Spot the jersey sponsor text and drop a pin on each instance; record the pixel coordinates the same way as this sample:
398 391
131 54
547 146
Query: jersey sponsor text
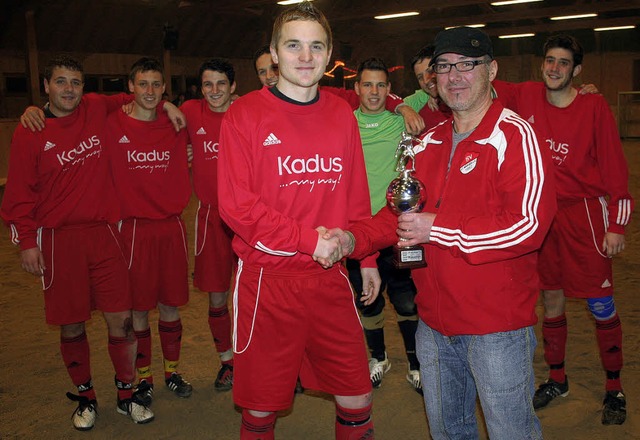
559 151
211 147
151 160
77 154
314 164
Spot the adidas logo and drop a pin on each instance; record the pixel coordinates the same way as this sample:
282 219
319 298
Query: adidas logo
271 140
201 131
531 120
606 283
49 146
124 140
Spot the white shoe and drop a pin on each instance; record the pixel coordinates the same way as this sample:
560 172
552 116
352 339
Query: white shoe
135 409
84 416
377 369
413 377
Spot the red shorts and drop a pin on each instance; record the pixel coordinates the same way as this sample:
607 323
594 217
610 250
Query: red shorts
214 258
295 324
156 251
85 271
571 256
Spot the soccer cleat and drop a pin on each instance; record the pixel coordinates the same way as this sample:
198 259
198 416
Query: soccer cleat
549 391
377 369
224 380
178 385
84 416
413 377
134 408
144 391
614 408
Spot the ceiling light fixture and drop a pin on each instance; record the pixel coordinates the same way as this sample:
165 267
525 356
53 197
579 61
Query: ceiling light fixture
398 15
513 2
516 36
291 2
571 17
614 28
479 25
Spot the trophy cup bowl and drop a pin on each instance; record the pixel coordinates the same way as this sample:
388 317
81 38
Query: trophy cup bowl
406 194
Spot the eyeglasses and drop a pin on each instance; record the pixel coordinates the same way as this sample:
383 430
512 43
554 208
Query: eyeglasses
461 66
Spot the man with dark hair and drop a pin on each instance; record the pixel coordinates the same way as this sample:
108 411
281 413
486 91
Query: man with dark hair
436 110
489 205
214 257
56 178
594 207
291 159
266 69
381 131
149 165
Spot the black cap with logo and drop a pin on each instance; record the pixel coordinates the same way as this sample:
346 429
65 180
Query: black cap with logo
466 41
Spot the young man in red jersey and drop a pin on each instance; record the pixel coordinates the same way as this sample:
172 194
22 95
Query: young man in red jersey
291 159
56 177
149 165
214 257
594 206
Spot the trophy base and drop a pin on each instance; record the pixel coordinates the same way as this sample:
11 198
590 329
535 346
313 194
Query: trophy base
411 257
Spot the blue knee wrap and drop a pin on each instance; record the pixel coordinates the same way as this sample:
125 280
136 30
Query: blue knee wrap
602 308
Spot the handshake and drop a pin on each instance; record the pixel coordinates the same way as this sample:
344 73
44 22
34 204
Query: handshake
333 245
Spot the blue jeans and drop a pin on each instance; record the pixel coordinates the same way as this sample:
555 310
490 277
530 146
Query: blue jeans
498 368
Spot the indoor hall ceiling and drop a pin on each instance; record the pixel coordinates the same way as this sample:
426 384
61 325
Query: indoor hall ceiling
235 28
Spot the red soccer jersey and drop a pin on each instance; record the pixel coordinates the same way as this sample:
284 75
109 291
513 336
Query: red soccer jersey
203 126
149 165
586 149
285 169
60 176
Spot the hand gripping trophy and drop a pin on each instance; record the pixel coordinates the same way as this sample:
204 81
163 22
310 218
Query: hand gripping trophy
406 194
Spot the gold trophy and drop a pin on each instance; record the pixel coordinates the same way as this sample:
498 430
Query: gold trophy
406 194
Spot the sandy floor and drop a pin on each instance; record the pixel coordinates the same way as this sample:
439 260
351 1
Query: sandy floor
33 405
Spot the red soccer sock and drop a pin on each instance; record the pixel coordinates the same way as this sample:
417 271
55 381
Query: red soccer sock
143 357
354 424
123 352
609 335
75 354
171 341
554 333
257 428
220 326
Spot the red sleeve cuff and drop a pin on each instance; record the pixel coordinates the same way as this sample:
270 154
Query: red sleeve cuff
28 243
308 241
616 228
370 261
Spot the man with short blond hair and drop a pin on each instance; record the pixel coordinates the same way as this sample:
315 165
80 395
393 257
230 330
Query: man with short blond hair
290 160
